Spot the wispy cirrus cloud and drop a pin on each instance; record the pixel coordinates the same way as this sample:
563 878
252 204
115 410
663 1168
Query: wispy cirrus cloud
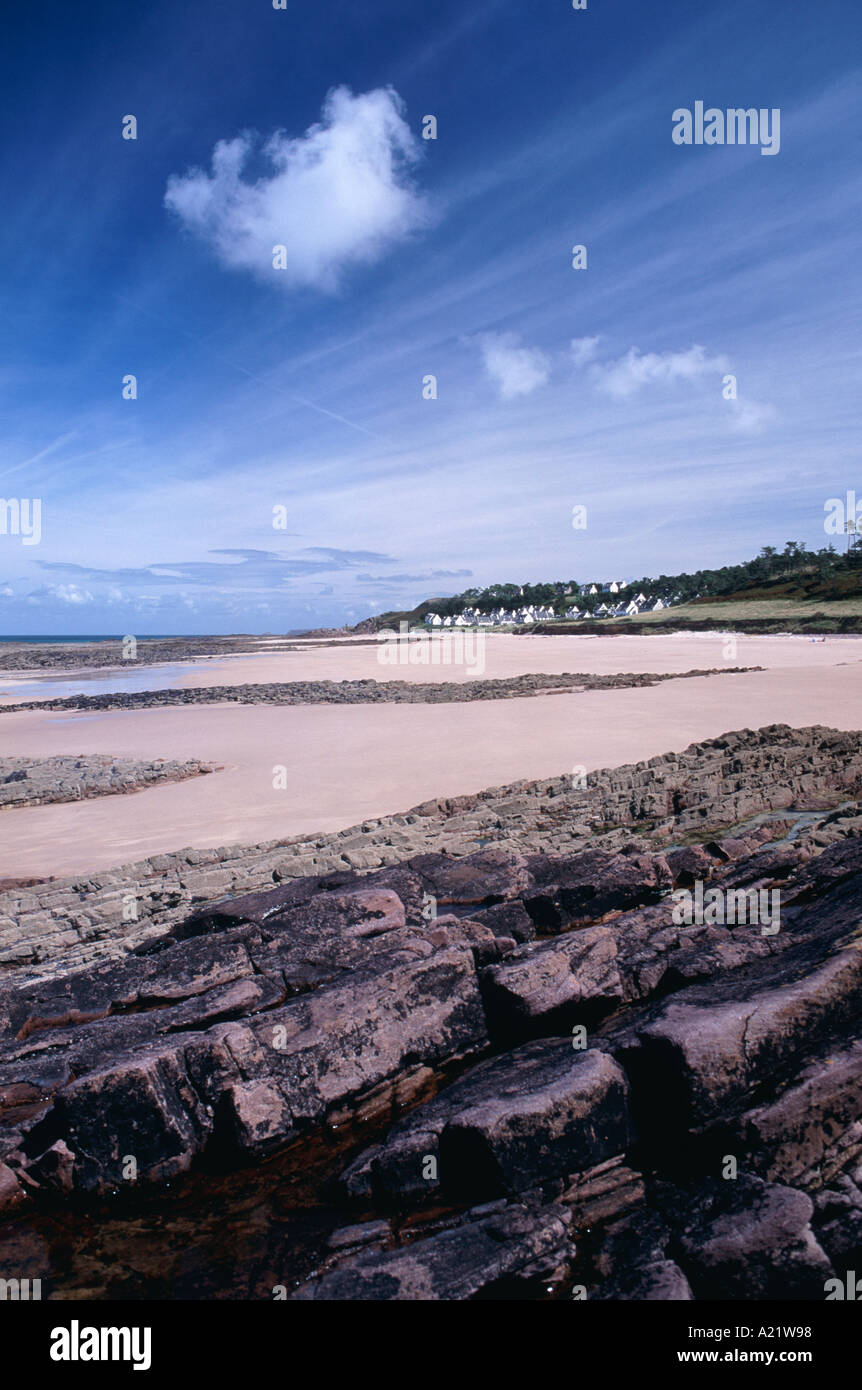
338 196
384 579
751 417
242 569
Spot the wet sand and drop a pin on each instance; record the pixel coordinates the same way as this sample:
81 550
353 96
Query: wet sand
346 764
496 656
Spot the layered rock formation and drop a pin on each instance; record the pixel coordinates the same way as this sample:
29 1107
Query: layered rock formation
510 1074
27 658
370 692
37 781
67 923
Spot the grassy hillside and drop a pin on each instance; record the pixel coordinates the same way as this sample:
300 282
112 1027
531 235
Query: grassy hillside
842 586
820 589
750 614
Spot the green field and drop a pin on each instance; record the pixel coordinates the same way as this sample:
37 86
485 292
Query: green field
734 610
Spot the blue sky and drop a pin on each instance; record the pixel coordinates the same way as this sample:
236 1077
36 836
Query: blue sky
301 388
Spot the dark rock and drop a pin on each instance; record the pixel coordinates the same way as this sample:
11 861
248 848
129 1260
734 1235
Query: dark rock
548 988
511 1254
795 1135
341 1010
507 919
659 1280
11 1192
512 1123
689 864
579 890
714 1047
751 1240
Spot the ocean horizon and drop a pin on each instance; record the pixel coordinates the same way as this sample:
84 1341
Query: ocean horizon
97 637
142 637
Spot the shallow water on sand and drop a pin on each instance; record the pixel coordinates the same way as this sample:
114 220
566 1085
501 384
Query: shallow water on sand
124 682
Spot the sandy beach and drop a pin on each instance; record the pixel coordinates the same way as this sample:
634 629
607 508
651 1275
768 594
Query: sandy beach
488 655
347 764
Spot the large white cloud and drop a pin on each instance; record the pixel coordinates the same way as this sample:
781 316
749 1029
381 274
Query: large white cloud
515 370
338 195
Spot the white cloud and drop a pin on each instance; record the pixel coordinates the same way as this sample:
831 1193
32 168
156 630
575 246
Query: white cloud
515 370
70 593
626 375
751 417
59 593
338 195
583 350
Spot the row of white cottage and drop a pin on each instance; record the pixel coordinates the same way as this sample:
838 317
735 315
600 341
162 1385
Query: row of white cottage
535 613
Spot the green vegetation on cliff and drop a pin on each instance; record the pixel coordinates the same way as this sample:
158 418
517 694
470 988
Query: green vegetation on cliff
795 574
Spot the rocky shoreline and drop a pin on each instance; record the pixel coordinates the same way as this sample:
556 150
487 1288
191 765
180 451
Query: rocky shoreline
107 654
63 924
511 1073
40 781
26 658
365 692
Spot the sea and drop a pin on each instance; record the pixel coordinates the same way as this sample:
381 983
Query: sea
99 637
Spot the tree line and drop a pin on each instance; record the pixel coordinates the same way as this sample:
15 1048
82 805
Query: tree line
770 566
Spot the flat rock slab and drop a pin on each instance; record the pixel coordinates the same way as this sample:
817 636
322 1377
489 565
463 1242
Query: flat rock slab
39 781
518 1247
254 1083
549 988
752 1240
540 1112
714 1048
